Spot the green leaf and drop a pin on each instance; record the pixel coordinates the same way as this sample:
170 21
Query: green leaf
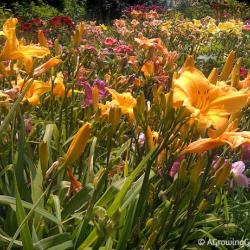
58 210
226 212
77 201
127 228
12 201
20 214
118 199
90 161
55 242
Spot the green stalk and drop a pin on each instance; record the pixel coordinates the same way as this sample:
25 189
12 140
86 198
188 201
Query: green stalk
190 214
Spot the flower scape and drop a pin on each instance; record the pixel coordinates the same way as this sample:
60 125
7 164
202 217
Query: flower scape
134 135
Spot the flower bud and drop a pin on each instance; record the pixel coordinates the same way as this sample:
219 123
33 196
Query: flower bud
228 66
213 76
57 47
236 74
95 94
150 138
44 156
78 34
42 39
115 115
77 145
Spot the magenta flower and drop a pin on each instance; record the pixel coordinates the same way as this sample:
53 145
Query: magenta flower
123 49
239 178
101 85
243 72
175 167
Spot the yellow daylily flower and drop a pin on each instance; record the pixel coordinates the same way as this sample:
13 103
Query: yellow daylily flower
231 26
14 50
36 90
59 88
210 105
211 26
125 101
230 137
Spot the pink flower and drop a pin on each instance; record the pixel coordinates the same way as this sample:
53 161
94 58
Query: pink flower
12 93
123 49
175 167
243 72
28 125
239 179
101 85
246 27
110 41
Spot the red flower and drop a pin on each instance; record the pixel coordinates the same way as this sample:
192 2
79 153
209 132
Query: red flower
110 41
58 21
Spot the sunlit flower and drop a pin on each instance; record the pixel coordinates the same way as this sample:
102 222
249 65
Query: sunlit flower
14 50
212 27
239 178
146 43
125 101
197 23
77 145
59 87
36 90
244 84
148 68
123 49
46 66
110 41
230 137
210 105
102 92
231 26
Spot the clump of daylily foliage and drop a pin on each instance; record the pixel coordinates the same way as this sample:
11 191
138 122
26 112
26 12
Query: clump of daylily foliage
130 136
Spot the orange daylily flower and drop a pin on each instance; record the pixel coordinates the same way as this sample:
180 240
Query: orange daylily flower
75 185
148 69
125 101
244 84
36 90
210 105
77 145
59 88
52 62
104 109
230 137
14 50
146 43
42 39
